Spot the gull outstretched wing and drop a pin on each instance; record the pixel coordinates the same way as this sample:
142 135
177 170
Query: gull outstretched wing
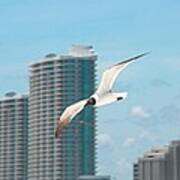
69 113
109 76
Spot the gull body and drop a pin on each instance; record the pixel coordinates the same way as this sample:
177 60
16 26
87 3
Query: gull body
108 98
102 96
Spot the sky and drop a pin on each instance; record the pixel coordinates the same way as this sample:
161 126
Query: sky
117 29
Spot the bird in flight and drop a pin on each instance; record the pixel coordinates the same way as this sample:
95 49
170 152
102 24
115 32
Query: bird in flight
102 96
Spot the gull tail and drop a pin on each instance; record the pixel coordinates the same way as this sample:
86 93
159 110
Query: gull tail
123 95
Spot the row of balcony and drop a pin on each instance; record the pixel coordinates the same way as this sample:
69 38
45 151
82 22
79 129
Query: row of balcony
59 64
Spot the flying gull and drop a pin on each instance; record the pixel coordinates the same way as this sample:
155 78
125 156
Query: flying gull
102 96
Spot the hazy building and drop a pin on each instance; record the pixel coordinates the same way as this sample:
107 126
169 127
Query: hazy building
13 136
136 171
94 178
174 149
153 165
159 164
56 81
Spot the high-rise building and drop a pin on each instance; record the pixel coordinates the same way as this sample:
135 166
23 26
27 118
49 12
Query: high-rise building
152 165
136 171
56 81
13 136
174 149
159 164
94 178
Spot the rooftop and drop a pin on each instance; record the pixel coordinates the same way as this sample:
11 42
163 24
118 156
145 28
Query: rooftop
156 153
76 52
11 95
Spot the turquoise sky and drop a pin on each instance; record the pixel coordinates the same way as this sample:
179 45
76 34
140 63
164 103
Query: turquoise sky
117 29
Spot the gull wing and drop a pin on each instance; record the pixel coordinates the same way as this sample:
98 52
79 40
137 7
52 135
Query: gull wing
109 76
67 116
72 110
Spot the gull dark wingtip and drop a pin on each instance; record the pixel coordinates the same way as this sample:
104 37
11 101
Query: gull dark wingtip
146 53
56 133
59 131
141 55
134 58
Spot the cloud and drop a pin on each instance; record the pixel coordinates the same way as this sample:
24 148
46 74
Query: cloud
177 97
143 136
123 167
169 113
104 139
129 142
138 111
148 136
160 83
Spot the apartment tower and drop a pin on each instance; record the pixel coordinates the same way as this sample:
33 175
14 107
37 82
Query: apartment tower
13 136
57 81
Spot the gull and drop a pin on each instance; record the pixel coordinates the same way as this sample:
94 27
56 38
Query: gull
102 96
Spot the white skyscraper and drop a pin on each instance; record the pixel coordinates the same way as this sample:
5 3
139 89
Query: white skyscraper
13 136
56 81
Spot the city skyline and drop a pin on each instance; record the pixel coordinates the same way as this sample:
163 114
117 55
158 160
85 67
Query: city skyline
136 112
51 78
117 30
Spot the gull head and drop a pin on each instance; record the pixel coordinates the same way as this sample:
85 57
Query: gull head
91 101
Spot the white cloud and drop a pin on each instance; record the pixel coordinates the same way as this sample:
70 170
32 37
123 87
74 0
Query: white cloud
123 167
138 111
129 142
104 139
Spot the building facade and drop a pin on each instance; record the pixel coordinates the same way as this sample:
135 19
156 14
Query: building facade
174 149
56 82
13 136
159 164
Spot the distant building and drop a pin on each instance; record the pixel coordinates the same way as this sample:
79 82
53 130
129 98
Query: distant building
136 171
94 178
174 149
159 164
57 81
13 136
